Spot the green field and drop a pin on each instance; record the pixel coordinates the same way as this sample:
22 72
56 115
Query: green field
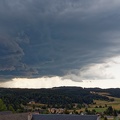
115 104
101 105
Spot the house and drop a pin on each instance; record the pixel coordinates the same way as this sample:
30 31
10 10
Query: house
32 102
64 117
55 110
110 117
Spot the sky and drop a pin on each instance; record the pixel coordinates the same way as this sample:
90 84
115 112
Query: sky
52 43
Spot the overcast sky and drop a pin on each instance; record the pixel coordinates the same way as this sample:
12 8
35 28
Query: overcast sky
47 43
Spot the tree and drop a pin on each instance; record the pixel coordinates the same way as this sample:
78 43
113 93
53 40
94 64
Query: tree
86 110
105 118
79 106
2 106
66 111
93 111
11 108
33 106
109 110
115 113
75 112
105 105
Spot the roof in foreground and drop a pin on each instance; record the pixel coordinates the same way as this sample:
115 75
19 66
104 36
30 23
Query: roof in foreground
20 116
64 117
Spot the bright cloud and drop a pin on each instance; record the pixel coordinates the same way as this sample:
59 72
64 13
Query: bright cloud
104 75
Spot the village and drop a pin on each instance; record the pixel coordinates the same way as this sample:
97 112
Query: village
39 109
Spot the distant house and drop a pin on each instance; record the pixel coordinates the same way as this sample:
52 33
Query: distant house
110 117
55 110
31 102
64 117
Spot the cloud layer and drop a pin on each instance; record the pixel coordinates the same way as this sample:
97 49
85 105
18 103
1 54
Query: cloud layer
54 37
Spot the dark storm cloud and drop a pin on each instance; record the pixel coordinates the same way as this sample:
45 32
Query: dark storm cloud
53 37
10 53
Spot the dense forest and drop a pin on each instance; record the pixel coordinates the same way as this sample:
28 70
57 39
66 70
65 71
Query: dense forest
59 96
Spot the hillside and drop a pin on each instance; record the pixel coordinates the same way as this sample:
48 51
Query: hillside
58 97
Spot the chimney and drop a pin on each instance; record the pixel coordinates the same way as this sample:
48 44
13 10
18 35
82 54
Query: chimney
29 116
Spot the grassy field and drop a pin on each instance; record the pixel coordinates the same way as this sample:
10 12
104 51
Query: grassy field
115 104
101 105
104 104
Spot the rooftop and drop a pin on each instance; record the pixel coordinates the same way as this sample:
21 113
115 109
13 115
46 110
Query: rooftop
64 117
21 116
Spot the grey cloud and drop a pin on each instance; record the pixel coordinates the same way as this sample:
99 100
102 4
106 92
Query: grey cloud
53 37
10 53
73 77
